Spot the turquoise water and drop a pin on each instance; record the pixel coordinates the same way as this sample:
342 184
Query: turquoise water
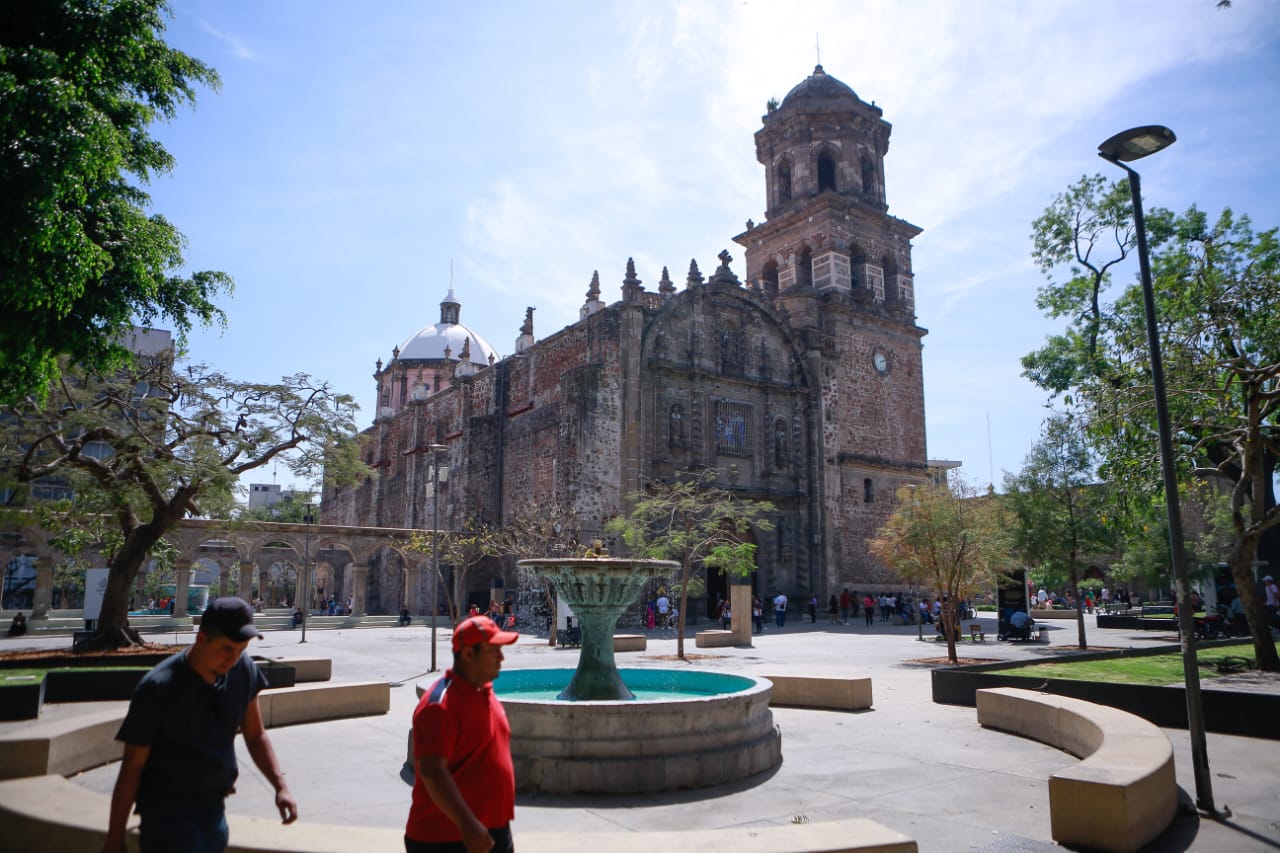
646 684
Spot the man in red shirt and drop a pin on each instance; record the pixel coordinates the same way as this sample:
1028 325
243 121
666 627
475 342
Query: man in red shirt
464 787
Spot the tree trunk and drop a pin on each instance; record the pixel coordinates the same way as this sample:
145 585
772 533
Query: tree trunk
685 572
113 630
1075 589
949 629
1255 612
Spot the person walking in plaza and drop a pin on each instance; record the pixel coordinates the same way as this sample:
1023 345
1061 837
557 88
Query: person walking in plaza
780 609
757 614
179 733
845 602
813 609
833 609
464 785
869 608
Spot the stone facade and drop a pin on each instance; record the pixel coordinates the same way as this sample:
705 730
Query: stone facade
802 386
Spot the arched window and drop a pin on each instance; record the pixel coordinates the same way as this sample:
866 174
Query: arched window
769 277
868 491
804 268
857 271
890 267
784 181
826 172
869 179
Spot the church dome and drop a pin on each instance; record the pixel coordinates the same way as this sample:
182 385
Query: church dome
429 342
818 90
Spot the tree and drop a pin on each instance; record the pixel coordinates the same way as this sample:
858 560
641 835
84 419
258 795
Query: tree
542 530
462 550
696 522
143 448
949 540
1218 300
1060 509
80 259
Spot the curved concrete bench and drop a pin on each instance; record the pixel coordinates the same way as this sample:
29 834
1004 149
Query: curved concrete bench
1122 795
88 740
53 814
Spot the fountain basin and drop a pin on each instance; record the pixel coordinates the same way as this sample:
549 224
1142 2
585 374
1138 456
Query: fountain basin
707 729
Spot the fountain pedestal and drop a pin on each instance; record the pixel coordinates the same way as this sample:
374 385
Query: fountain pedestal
598 589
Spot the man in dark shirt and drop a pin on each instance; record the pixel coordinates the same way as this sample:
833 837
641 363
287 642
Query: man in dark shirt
464 786
179 760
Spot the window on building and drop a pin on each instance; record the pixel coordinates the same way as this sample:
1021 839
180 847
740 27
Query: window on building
784 181
732 420
769 278
826 172
804 268
675 427
868 491
868 179
780 444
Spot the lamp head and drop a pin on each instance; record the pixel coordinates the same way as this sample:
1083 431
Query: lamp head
1136 143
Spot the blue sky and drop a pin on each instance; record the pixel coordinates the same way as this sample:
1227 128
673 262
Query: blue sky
356 151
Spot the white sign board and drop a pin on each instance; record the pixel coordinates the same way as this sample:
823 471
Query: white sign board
95 588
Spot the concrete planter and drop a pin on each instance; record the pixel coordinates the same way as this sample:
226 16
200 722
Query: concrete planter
98 685
1226 711
21 701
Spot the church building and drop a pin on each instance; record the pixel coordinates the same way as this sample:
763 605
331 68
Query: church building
798 379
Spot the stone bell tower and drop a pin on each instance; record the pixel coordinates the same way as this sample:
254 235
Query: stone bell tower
837 268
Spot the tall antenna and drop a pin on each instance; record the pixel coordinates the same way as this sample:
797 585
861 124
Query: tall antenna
451 275
817 48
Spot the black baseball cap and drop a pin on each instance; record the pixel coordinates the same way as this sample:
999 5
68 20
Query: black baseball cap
231 617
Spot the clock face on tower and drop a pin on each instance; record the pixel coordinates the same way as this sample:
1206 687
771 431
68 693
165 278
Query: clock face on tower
880 361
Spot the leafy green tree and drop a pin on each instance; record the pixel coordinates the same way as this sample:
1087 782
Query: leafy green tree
81 260
1060 508
143 448
696 522
951 541
462 550
542 530
290 509
1218 302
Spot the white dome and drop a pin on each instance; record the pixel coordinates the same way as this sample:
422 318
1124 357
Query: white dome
429 343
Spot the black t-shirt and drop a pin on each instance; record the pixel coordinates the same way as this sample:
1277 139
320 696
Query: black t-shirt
190 726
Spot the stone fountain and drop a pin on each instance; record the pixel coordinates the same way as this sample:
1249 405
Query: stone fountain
598 589
703 729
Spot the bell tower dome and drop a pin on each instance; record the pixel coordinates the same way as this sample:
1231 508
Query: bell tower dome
827 228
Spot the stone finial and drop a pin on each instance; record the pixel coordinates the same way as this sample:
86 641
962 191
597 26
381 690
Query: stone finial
466 349
448 351
378 365
631 288
695 275
492 359
395 352
593 292
526 331
665 287
750 224
723 274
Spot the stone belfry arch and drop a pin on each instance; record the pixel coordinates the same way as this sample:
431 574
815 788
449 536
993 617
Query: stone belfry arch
836 266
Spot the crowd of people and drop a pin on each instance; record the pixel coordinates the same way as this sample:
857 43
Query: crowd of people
898 608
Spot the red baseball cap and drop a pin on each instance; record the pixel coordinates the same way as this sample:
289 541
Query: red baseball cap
480 629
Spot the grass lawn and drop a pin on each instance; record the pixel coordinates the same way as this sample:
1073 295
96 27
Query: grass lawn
26 676
1154 670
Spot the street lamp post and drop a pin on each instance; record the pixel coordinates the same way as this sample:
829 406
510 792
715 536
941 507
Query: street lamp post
438 452
305 595
1124 147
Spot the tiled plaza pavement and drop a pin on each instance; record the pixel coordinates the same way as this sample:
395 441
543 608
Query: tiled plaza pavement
926 770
